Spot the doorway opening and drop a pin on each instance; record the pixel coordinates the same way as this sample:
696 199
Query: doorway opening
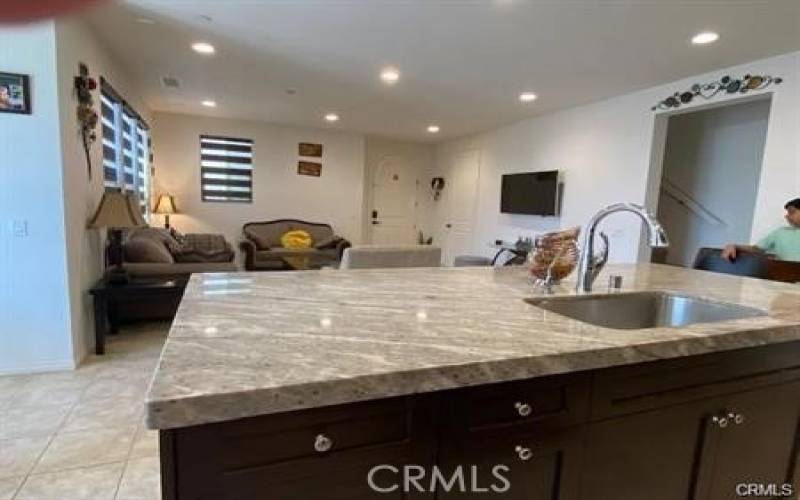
711 168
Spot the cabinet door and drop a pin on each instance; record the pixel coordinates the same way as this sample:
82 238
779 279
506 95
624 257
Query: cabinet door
759 446
540 466
652 455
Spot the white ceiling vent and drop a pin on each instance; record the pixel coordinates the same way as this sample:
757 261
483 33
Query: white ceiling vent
171 82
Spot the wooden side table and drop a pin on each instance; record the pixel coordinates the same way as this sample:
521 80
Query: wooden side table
139 299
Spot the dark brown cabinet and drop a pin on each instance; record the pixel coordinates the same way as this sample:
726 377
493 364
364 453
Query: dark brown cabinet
754 444
530 465
695 428
626 456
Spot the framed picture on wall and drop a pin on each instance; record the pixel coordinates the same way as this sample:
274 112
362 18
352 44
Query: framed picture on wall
309 168
310 149
15 93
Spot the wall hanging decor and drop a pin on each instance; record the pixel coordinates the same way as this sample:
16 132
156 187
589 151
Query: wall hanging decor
86 114
725 85
309 149
15 93
309 168
437 185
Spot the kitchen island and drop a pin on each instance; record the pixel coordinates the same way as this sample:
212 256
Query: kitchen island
297 385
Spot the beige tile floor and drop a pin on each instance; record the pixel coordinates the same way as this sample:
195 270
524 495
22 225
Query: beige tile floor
80 434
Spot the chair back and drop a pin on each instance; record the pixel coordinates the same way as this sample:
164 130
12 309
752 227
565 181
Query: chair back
745 264
376 257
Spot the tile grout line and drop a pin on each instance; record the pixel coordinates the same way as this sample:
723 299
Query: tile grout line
41 454
51 439
60 430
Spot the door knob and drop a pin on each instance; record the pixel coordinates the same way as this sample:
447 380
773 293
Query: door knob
523 409
523 453
322 443
736 418
721 422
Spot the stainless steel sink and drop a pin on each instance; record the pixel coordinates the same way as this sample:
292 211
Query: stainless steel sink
628 311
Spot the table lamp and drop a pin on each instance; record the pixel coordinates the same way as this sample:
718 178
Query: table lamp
117 211
166 206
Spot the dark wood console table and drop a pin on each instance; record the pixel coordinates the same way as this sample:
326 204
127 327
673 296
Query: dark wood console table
139 299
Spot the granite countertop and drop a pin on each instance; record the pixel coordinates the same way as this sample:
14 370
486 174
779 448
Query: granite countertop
246 344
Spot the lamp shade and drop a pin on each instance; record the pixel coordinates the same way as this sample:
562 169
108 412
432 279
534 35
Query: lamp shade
166 205
117 210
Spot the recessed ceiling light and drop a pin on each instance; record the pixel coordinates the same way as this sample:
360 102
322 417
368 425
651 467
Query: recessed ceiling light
705 37
390 75
209 104
433 129
527 97
203 48
332 117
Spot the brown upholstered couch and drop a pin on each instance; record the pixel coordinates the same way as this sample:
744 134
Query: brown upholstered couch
154 252
263 249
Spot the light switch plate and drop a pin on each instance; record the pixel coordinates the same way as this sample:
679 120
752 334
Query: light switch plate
19 228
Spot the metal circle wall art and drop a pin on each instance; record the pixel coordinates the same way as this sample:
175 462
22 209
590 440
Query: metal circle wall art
725 85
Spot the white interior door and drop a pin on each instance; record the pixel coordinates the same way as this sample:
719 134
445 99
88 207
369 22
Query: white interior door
394 197
460 198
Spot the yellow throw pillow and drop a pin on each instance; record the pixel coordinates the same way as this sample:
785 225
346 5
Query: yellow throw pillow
296 239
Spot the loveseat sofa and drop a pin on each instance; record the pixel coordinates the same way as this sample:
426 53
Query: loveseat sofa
264 251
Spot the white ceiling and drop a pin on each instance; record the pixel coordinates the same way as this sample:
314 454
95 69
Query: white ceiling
463 62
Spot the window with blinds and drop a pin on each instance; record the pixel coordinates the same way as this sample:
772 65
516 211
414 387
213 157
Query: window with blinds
126 147
226 169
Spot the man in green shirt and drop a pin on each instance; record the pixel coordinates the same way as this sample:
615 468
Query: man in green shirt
783 243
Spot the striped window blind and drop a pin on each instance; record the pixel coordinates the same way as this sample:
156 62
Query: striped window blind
226 169
111 153
126 146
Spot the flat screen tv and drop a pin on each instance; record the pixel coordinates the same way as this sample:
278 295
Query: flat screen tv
530 193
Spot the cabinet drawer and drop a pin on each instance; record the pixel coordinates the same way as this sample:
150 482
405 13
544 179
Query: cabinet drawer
275 457
327 478
555 401
641 387
261 441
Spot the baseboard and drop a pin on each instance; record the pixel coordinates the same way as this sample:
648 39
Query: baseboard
43 366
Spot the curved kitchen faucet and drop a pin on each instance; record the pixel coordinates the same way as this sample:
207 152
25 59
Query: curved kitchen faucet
590 264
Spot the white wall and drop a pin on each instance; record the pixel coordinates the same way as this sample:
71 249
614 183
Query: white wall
34 303
76 43
714 156
279 192
45 310
604 151
419 157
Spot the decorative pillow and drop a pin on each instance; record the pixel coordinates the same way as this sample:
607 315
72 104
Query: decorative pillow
262 242
165 236
204 248
147 250
296 239
329 242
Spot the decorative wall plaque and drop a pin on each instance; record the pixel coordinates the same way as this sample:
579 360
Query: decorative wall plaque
309 168
725 85
309 149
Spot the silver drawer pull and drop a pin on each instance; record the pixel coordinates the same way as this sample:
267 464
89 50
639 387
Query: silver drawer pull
523 453
721 422
524 409
323 443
